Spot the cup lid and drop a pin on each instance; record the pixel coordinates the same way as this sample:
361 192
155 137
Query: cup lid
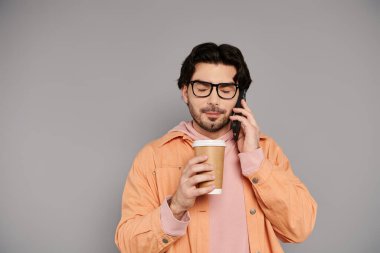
209 143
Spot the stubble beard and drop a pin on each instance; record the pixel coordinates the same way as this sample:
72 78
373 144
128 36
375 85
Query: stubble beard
212 125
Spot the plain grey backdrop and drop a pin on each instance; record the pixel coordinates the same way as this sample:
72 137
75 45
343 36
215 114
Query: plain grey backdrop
85 84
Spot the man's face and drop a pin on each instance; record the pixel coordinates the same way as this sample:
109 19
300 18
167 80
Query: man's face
211 113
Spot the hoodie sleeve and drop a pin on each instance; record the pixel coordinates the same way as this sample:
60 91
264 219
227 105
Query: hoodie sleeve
169 223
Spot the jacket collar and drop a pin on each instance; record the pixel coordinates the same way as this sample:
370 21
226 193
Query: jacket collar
172 135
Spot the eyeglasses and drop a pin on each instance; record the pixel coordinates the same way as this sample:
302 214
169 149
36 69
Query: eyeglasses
203 89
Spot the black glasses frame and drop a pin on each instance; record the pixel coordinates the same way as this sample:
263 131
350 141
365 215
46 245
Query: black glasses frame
212 87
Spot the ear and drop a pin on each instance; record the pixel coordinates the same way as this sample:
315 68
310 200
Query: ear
184 94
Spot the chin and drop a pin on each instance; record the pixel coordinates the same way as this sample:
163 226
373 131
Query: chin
214 125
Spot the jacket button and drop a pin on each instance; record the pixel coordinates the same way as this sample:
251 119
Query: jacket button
252 211
165 240
255 180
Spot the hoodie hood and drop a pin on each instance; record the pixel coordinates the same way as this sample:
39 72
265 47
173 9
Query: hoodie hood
187 128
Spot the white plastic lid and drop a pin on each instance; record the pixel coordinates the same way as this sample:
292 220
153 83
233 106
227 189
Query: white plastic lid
216 191
209 143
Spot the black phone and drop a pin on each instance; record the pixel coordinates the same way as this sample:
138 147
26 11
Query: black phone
235 125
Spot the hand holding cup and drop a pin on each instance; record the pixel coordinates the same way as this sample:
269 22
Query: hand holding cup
196 171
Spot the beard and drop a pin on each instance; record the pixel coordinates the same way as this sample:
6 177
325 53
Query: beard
210 125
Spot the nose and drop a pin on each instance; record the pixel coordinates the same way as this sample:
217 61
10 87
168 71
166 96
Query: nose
213 98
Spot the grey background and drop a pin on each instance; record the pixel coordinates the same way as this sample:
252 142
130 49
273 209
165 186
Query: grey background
85 84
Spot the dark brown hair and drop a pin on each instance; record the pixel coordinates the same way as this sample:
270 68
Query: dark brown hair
211 53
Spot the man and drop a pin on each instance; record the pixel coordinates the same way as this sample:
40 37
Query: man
262 200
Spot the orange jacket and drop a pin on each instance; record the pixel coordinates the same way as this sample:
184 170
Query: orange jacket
277 204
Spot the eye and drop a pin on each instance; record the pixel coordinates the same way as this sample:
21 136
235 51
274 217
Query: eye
227 88
202 87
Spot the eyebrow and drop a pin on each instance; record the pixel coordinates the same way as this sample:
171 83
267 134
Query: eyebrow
197 80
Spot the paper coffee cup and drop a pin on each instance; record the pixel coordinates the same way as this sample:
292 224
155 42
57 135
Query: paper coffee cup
214 149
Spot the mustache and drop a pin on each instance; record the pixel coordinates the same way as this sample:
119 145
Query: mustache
212 109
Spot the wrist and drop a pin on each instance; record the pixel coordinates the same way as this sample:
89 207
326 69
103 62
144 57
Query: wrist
177 212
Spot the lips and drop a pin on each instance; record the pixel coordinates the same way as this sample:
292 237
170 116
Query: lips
212 114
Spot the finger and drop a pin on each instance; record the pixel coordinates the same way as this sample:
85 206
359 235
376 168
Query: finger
197 168
244 121
196 160
200 178
246 125
247 114
245 105
204 190
246 128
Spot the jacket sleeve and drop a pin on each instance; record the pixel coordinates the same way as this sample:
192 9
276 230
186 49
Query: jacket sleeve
284 199
139 229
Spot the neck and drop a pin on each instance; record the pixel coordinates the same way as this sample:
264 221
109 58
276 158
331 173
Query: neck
211 135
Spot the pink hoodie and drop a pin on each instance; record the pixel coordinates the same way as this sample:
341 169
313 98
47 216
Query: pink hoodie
228 227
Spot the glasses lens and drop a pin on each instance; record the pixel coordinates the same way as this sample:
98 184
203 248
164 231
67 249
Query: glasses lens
201 89
227 90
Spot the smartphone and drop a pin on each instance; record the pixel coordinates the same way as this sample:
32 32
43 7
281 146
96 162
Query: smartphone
235 125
